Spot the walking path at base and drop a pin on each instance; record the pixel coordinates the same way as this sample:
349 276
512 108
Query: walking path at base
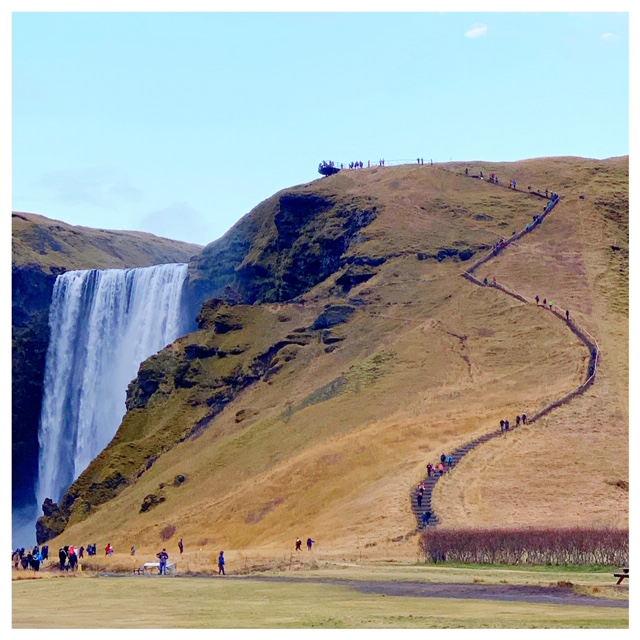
459 591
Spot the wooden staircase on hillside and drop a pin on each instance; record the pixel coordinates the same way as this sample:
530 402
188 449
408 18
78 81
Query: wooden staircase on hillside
460 452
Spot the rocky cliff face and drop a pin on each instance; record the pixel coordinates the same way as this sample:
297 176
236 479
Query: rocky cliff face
42 249
282 248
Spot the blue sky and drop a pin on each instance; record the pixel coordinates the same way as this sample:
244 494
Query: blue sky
180 123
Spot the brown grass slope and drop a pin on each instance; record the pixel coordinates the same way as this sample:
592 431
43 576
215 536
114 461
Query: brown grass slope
328 442
51 243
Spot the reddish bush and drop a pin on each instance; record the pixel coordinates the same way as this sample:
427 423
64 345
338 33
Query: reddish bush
597 546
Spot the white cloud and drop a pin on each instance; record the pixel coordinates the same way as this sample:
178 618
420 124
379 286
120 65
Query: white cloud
477 31
98 186
608 36
178 221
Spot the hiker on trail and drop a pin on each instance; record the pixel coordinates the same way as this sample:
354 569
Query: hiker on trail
107 549
567 312
526 227
298 544
62 555
429 469
537 299
180 546
45 548
517 421
514 183
481 176
80 552
544 302
550 305
506 425
501 426
221 564
466 172
24 562
441 468
426 516
443 457
485 281
309 544
163 556
449 461
419 498
524 418
494 280
133 549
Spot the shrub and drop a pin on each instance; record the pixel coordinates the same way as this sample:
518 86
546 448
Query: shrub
571 546
167 532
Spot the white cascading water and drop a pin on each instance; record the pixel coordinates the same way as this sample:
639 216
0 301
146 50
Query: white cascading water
103 325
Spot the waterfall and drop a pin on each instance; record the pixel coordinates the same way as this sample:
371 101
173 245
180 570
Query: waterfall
103 325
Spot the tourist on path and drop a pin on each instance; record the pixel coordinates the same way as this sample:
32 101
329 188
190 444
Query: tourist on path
298 544
221 564
180 546
309 544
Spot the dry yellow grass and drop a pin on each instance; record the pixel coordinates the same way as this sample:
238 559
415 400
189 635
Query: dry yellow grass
453 359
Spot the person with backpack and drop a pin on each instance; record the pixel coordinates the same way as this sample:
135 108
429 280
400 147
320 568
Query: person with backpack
163 556
429 469
62 556
221 564
443 458
298 544
426 516
449 461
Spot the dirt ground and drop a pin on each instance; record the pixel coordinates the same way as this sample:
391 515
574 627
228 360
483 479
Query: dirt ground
509 593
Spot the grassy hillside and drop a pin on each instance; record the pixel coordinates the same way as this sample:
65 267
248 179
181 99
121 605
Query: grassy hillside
328 435
51 243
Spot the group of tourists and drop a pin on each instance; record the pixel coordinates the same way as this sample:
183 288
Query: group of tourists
506 426
440 468
310 543
29 559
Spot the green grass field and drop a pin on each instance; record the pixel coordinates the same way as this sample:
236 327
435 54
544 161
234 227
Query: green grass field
235 603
